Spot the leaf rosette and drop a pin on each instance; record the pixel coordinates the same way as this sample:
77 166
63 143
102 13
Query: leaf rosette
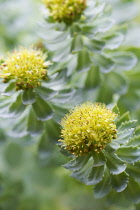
91 41
108 167
29 92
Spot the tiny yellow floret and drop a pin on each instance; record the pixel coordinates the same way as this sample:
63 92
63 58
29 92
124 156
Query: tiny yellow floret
26 66
88 128
65 10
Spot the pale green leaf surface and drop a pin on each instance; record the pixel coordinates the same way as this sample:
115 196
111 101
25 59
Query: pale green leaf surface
42 109
129 154
119 181
114 164
95 175
28 96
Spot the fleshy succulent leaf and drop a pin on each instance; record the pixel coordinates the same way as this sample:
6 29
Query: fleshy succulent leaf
120 181
94 45
103 188
124 60
129 154
132 191
113 41
134 171
34 126
83 173
115 164
77 163
123 118
83 63
127 125
105 64
28 97
42 109
124 136
16 108
95 175
9 89
99 159
46 93
77 44
135 141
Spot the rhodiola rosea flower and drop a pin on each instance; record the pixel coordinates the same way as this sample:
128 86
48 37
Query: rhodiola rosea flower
26 66
27 89
65 10
102 147
88 128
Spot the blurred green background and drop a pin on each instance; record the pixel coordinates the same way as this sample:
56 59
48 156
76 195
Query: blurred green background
28 182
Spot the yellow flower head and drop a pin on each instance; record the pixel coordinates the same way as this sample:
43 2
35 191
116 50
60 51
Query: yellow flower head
26 66
89 127
65 10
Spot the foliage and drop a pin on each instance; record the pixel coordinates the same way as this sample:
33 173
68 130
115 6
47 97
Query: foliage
94 55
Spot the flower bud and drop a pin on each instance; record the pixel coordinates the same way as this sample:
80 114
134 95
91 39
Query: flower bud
88 128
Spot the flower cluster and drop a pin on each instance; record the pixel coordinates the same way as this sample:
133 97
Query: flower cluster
65 10
26 66
89 127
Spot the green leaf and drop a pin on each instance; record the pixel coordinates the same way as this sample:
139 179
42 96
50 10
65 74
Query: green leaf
129 154
111 147
63 52
83 173
64 96
95 175
77 163
34 126
116 109
50 126
134 171
114 41
42 109
120 181
93 78
117 83
75 29
103 188
83 63
28 97
99 159
123 118
105 64
124 60
93 10
71 64
46 93
137 130
114 164
77 44
132 191
9 90
59 112
16 108
103 25
19 127
134 141
127 125
54 36
4 104
91 29
95 45
124 136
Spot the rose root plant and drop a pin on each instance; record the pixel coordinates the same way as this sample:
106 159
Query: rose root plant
103 148
28 90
